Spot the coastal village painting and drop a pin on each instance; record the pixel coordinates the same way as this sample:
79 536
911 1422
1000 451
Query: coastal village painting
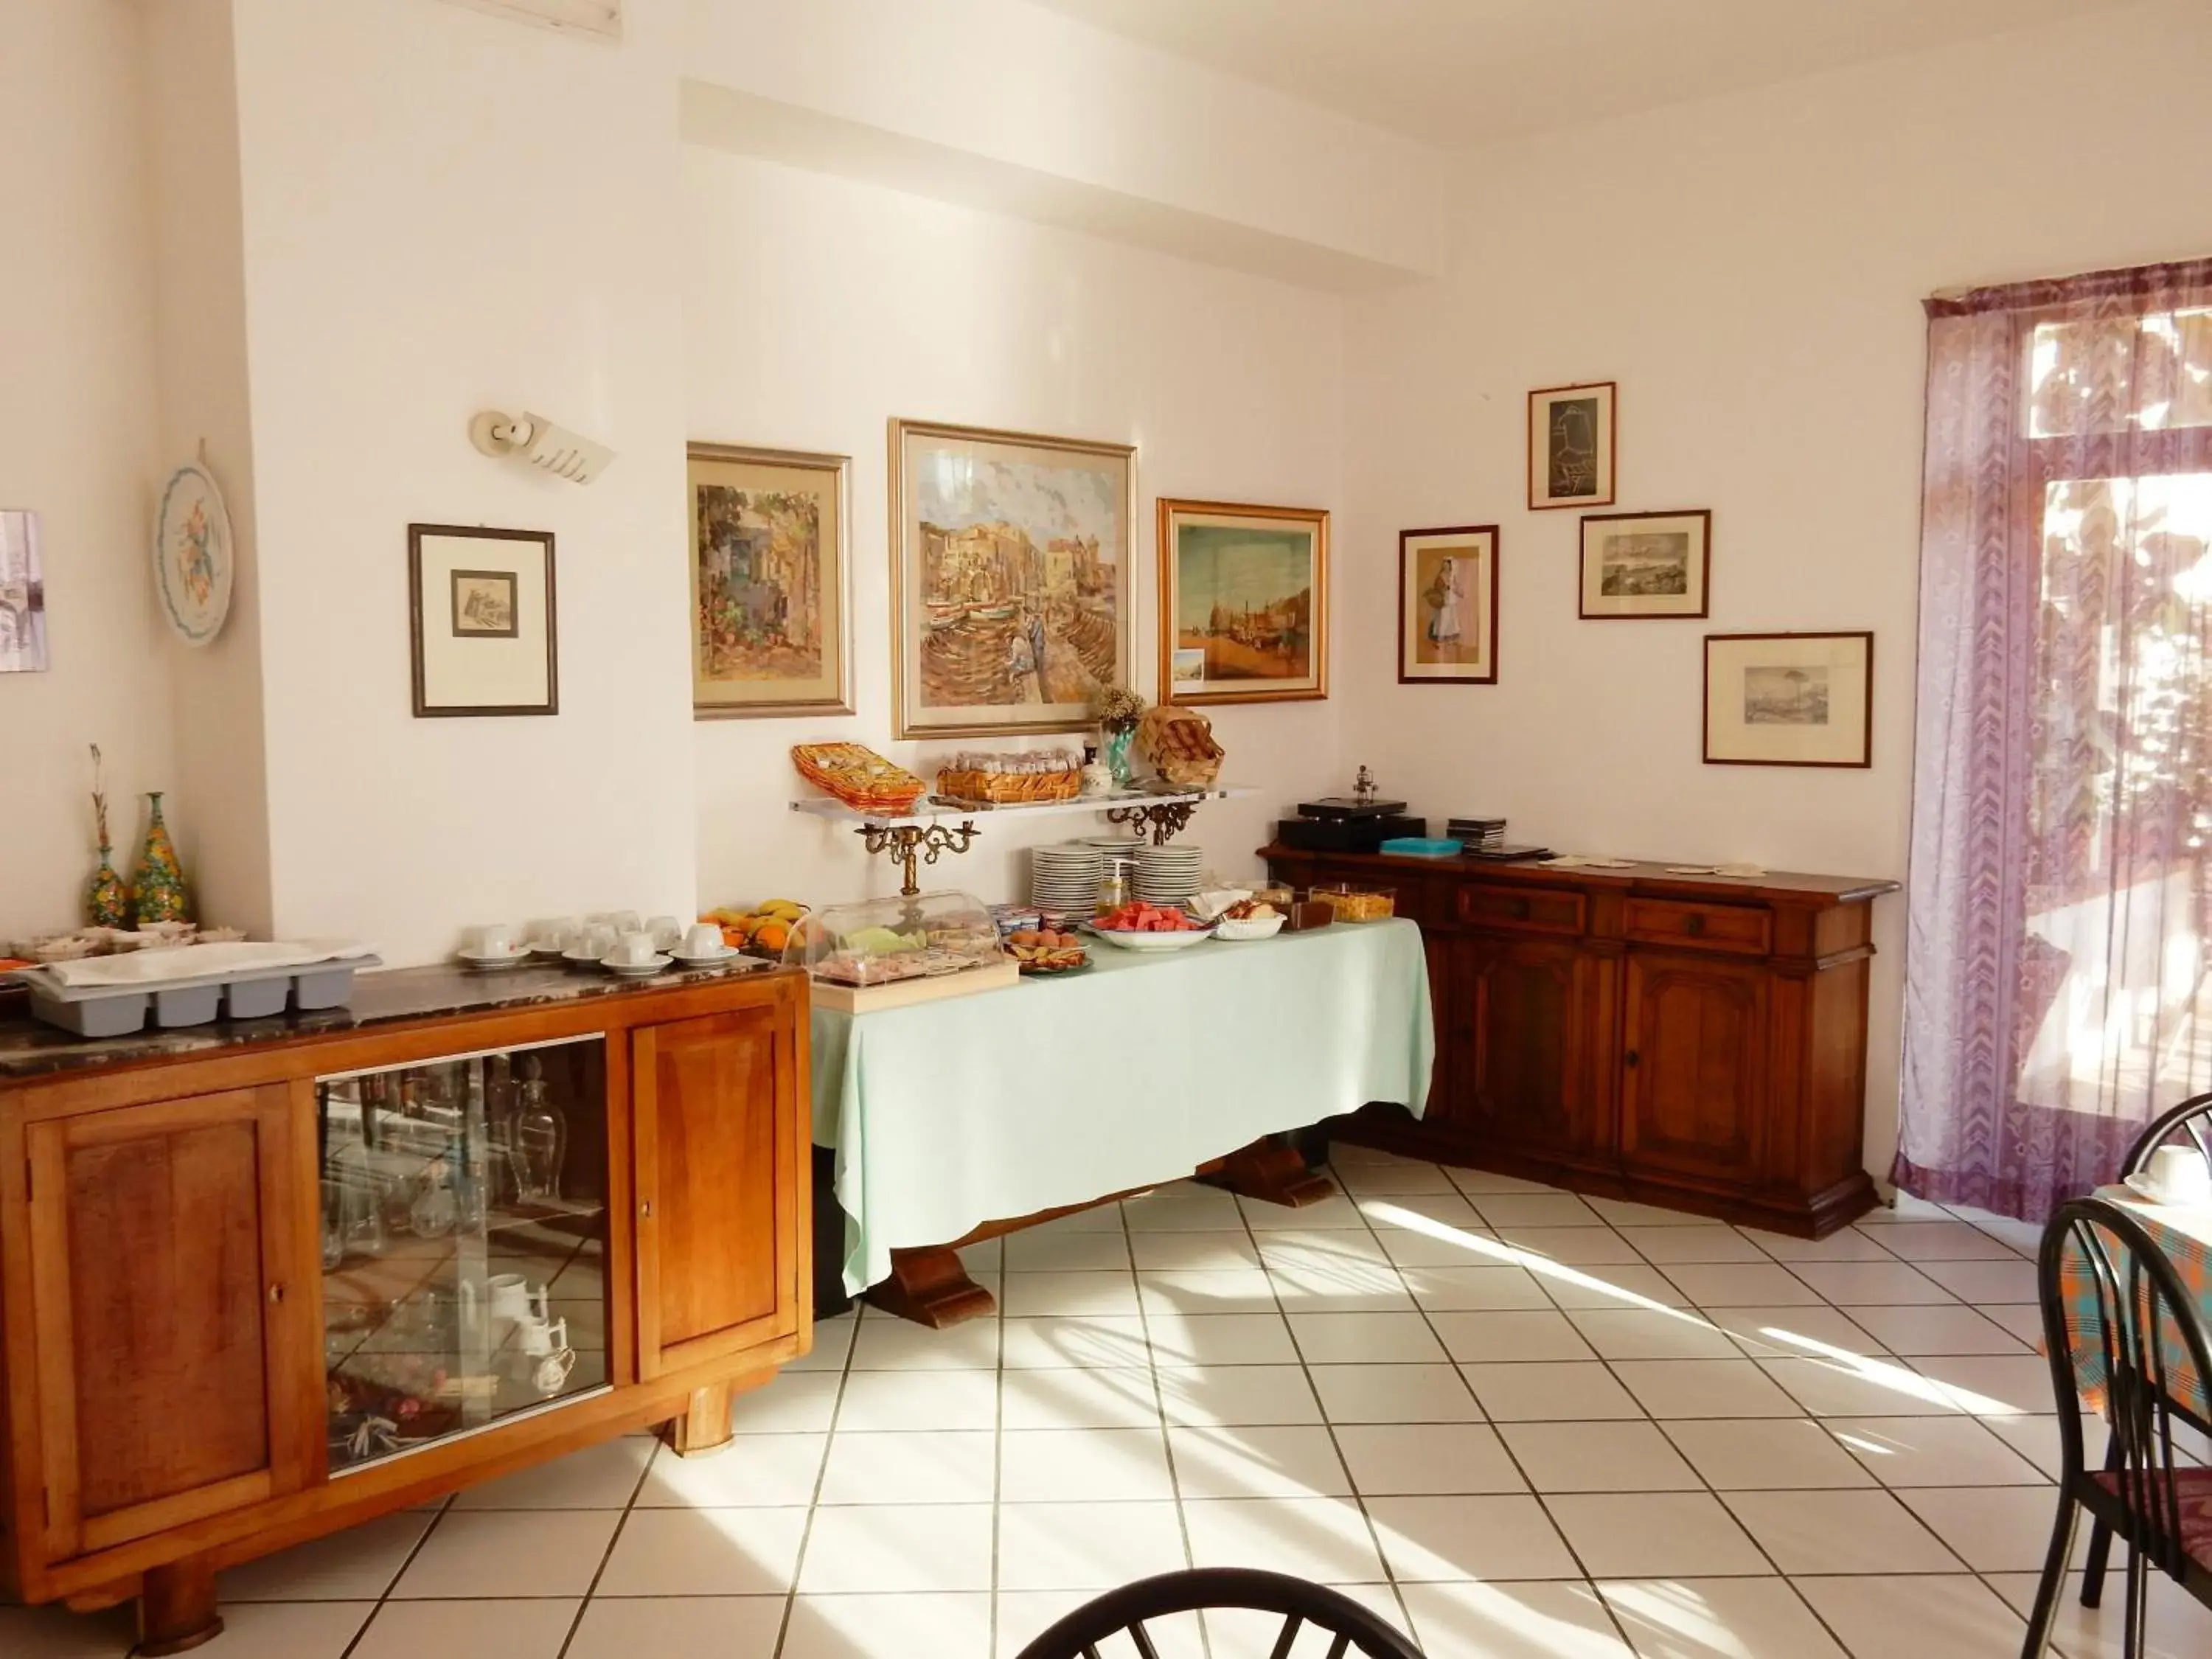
1242 602
1012 567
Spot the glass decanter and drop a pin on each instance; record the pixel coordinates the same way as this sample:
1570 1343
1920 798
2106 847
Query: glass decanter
541 1136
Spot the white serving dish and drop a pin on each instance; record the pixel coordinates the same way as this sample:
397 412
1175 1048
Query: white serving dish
1249 927
1134 941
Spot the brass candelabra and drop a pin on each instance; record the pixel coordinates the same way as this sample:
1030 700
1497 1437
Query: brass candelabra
913 844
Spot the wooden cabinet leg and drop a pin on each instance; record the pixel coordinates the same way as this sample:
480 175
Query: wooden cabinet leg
930 1286
177 1607
705 1426
1271 1171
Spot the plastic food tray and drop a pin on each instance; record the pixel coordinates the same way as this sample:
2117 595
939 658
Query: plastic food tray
113 1011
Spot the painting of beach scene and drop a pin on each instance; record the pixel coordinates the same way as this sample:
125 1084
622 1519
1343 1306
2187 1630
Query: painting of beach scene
767 556
1011 564
1246 589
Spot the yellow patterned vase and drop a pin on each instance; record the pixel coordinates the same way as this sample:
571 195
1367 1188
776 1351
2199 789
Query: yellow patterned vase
157 887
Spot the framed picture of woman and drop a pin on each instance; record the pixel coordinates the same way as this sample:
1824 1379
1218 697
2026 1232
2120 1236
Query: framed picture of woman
1448 605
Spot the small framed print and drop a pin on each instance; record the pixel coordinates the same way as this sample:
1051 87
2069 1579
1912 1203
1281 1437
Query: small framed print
1448 606
483 604
1571 431
1789 699
483 621
22 595
1640 565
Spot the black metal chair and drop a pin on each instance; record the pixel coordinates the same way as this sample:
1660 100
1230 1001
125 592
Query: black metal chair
2188 1124
2159 1507
1349 1627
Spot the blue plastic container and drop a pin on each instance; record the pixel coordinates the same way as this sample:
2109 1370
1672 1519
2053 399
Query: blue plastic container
1423 847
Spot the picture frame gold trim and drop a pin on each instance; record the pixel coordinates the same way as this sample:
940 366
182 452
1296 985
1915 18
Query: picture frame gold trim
839 637
905 725
1317 520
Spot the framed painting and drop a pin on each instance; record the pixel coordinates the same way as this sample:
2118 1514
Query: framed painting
1448 605
482 620
1571 432
22 595
771 589
1789 699
1244 603
1009 579
1643 565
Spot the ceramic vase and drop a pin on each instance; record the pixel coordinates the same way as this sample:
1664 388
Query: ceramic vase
157 887
106 902
1119 741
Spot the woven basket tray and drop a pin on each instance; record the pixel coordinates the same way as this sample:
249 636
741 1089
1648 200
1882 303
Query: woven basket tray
858 776
1009 788
1180 742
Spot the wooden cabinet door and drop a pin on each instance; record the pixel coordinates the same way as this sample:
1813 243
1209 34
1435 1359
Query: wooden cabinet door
1529 1011
173 1267
718 1123
1694 1090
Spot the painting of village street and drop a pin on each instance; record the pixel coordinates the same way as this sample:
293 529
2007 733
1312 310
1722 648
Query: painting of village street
767 567
1243 590
1012 584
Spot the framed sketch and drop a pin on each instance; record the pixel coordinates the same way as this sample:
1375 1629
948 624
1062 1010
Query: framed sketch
483 621
1789 699
1637 565
1244 603
771 588
1009 579
1448 605
22 595
1571 431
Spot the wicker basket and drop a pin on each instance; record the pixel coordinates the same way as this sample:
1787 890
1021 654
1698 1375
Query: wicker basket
1009 788
1180 743
858 776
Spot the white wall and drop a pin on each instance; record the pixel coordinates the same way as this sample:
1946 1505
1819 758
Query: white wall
1749 270
77 445
445 212
815 309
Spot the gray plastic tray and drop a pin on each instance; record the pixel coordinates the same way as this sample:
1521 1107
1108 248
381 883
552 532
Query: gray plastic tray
258 994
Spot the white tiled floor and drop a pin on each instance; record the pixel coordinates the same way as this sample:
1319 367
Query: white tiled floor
1524 1424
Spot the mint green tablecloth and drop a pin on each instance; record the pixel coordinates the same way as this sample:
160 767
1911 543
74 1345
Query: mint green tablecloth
1050 1092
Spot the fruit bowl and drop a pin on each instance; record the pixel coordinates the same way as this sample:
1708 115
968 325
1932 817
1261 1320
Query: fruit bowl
1142 927
1249 927
1181 940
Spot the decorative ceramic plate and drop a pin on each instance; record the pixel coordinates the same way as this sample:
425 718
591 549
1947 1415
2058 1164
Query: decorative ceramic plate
195 561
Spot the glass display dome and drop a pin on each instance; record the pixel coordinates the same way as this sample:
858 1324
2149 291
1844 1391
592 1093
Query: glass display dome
888 942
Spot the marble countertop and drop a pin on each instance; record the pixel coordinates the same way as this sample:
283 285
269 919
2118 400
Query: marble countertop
31 1048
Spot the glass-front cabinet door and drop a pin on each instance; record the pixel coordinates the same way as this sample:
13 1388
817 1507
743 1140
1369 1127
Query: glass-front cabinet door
464 1244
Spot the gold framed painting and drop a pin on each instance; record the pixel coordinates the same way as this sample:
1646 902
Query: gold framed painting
771 590
1572 432
1244 603
1009 579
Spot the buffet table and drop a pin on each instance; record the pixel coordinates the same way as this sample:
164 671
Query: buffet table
1055 1092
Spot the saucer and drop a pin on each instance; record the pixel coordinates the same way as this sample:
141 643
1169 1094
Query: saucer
635 970
493 964
579 958
713 959
2139 1184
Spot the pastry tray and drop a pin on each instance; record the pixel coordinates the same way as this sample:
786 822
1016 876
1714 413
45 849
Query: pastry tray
112 1010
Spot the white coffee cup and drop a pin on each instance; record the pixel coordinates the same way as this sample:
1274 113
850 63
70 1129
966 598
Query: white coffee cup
636 949
2178 1175
491 939
666 932
704 938
551 932
622 921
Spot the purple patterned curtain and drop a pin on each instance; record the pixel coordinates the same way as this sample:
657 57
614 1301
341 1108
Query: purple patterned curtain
2057 993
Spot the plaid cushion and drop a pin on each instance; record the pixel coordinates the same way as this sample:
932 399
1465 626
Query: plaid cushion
2193 1494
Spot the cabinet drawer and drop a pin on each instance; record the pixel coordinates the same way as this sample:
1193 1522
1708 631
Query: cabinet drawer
1735 927
1522 910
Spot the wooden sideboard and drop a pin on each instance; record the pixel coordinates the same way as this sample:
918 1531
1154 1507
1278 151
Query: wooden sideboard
1693 1042
171 1384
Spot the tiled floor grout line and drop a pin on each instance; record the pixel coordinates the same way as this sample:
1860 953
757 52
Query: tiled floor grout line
445 1507
1328 1423
998 1446
820 1480
621 1525
1160 1406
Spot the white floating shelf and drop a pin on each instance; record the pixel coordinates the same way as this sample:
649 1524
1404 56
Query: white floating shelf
933 811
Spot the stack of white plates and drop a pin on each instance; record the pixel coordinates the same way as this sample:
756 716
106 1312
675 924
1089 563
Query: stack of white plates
1064 879
1170 874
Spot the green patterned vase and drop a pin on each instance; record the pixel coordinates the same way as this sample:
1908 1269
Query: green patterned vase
157 889
105 903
